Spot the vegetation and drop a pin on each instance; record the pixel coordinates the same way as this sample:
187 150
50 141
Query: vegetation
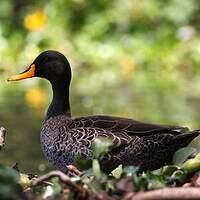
140 60
92 183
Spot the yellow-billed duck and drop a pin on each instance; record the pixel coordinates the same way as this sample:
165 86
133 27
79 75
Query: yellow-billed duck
146 145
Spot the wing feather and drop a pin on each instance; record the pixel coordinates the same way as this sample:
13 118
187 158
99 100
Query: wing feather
129 126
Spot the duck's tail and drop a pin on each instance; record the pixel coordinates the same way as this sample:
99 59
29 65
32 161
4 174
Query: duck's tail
184 139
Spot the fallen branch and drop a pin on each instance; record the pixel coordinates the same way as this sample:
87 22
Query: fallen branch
2 137
63 178
169 193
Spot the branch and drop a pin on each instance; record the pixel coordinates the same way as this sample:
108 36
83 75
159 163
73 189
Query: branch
169 193
73 171
2 137
62 177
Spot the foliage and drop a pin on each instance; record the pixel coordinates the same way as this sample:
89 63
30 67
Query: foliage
100 147
143 56
9 187
182 154
121 181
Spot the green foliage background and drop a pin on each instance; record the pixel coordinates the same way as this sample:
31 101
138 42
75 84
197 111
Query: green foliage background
133 58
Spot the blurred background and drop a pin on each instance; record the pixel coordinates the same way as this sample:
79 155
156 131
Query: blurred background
132 58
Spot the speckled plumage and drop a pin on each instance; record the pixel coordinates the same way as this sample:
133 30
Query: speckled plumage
148 146
62 138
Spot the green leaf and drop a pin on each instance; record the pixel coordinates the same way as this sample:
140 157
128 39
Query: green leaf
182 155
8 175
56 185
9 187
82 163
168 170
52 190
48 192
191 165
117 172
109 186
155 184
140 183
197 156
100 146
88 172
86 179
96 168
154 181
24 180
179 176
130 170
158 171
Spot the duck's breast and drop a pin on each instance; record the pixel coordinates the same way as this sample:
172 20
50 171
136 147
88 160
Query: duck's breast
56 141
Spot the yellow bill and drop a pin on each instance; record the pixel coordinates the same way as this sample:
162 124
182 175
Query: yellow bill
28 73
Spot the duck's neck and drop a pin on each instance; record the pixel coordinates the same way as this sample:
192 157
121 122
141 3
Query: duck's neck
60 102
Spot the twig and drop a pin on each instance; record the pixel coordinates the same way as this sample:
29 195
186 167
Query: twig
63 178
169 194
43 183
15 167
2 137
73 171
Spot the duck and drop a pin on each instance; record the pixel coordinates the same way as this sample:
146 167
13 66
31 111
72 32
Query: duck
145 145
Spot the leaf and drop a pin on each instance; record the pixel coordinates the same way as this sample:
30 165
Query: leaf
158 171
155 184
88 172
56 185
197 156
130 170
24 180
83 164
182 155
9 187
109 186
100 146
8 175
140 183
87 179
117 172
154 181
52 190
48 192
191 165
168 170
96 168
179 176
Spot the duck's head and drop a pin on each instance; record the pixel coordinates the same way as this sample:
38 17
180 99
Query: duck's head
50 65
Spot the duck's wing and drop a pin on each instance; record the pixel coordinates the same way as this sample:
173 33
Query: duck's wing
129 126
